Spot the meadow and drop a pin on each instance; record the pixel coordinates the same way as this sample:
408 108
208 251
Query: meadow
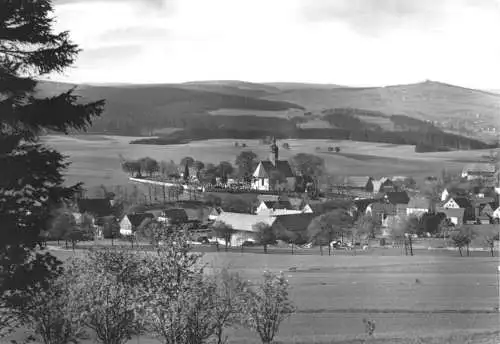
95 160
427 298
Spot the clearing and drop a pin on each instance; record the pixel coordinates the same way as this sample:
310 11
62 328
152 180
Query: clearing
96 159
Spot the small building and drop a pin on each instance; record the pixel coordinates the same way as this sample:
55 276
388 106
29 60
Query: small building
419 205
362 183
131 222
463 203
384 184
274 174
173 216
496 214
479 171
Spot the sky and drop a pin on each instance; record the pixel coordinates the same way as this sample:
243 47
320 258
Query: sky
345 42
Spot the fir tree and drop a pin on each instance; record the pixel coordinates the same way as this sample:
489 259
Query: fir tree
31 182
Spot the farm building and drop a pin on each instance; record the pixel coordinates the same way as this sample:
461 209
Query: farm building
479 171
274 174
272 208
243 225
131 222
173 216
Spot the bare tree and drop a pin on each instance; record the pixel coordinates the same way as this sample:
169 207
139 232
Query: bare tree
267 306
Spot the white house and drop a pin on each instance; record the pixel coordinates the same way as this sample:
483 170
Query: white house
131 222
496 213
273 174
419 205
275 208
444 195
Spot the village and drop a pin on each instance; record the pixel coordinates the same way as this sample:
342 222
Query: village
288 204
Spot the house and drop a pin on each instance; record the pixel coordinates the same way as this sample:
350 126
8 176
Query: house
362 183
243 225
419 205
486 209
479 171
496 214
382 211
293 223
483 220
454 215
445 195
383 185
95 208
214 213
273 174
131 222
463 203
274 208
173 216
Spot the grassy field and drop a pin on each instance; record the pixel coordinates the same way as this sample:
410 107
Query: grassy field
422 297
95 159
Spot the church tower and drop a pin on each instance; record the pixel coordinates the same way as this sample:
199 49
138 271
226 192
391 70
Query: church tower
274 152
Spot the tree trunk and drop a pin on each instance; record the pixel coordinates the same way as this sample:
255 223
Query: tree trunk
217 245
226 246
293 245
329 249
265 248
468 253
491 250
460 251
112 240
411 247
321 249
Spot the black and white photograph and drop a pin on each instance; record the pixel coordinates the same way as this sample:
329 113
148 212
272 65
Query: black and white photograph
249 171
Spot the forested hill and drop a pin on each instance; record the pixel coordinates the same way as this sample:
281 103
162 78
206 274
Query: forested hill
235 109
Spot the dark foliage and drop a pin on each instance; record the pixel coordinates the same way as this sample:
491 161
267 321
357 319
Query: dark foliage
31 183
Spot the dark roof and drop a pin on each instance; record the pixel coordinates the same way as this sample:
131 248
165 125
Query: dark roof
400 197
95 206
362 204
281 165
294 222
175 214
137 219
278 205
462 202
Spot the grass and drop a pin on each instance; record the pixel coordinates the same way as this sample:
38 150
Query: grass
95 159
452 301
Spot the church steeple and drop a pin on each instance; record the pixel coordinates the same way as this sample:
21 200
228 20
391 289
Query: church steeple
274 152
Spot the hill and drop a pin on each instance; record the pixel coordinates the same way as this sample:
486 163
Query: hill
451 107
430 114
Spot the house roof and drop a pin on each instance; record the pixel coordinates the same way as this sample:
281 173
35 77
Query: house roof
265 168
452 212
419 202
95 206
244 222
362 204
483 200
137 219
175 214
357 181
479 168
278 204
462 202
294 222
399 197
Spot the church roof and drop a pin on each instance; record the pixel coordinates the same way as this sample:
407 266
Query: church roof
265 168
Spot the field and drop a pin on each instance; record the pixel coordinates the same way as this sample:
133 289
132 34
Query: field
96 159
430 297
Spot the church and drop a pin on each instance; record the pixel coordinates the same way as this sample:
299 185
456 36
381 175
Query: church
273 174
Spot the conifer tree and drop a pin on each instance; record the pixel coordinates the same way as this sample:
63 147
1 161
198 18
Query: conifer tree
31 180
